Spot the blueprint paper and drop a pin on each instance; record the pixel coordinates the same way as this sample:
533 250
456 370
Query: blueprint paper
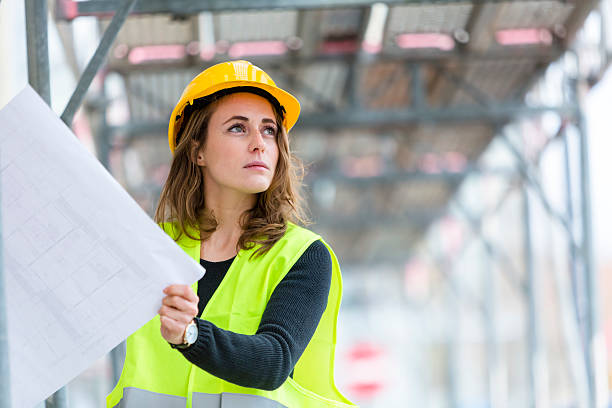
84 265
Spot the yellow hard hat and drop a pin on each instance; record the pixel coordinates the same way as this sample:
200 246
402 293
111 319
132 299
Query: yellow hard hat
227 75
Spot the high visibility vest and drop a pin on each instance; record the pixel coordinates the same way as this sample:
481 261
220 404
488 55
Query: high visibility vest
155 375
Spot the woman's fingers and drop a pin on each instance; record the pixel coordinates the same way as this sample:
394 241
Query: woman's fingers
179 307
184 291
171 330
171 325
175 314
181 304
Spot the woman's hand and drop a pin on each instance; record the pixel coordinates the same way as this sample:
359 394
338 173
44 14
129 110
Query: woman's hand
178 309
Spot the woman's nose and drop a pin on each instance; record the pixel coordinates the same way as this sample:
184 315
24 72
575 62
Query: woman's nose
257 142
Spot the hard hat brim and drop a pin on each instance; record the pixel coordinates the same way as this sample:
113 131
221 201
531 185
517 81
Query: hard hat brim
290 104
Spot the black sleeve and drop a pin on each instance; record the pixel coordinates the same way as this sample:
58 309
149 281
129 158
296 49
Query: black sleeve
265 360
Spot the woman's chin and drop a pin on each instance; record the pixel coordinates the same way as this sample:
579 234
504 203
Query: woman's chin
255 188
254 185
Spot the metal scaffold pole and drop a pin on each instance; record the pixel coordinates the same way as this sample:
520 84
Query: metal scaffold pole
38 48
38 77
496 377
454 340
536 356
595 342
5 383
568 294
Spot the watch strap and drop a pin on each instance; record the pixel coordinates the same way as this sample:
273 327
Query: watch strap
185 344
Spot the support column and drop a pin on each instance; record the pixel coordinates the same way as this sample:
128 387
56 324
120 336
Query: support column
496 374
595 341
453 333
5 373
38 77
538 377
38 49
571 295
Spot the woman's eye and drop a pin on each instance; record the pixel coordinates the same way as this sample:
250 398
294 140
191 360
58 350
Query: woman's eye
236 128
271 131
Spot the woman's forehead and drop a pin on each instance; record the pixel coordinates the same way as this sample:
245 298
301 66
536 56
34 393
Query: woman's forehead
245 102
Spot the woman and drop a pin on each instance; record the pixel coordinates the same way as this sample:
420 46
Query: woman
258 330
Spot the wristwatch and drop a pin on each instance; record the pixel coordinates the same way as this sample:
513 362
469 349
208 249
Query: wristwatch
190 336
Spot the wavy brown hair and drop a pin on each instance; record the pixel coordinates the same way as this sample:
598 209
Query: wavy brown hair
183 202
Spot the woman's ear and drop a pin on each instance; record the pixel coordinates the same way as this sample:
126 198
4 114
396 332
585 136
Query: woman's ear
197 154
200 158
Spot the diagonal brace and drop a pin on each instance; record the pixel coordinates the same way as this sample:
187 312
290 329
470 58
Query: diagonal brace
476 227
97 59
524 169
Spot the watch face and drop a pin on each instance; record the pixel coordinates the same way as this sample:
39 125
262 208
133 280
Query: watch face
191 334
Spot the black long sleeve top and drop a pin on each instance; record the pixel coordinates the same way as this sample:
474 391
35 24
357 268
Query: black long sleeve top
265 360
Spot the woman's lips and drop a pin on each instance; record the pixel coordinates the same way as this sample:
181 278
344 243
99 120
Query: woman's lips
257 165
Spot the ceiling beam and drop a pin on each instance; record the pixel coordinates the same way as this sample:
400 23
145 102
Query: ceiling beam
189 7
510 54
381 118
414 219
392 177
493 113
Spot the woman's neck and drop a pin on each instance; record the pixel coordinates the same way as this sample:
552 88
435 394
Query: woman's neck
227 207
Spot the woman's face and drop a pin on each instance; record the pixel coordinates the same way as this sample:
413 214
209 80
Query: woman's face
240 152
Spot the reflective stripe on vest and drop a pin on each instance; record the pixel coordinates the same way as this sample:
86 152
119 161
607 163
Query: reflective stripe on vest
231 400
137 398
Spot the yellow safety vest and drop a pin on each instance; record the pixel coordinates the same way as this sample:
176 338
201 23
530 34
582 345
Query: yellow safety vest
155 375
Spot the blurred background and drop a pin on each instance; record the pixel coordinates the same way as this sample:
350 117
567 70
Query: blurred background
458 162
